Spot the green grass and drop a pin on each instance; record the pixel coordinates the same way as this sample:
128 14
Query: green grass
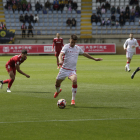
107 101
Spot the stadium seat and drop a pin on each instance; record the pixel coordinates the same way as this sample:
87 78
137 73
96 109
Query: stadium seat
128 31
98 31
103 31
38 32
108 31
94 32
123 31
131 23
98 23
113 31
127 23
43 32
118 31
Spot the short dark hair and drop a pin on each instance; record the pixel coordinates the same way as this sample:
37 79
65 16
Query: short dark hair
74 37
24 51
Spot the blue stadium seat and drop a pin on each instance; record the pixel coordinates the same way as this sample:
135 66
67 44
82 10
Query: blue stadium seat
49 12
60 24
132 23
73 32
129 27
45 24
12 16
69 12
104 27
78 20
12 24
16 12
30 12
108 27
63 27
134 31
108 31
79 16
103 15
103 31
11 12
25 12
17 32
12 20
69 16
108 16
127 23
58 28
40 12
41 24
18 27
54 12
6 12
108 12
113 27
50 24
48 32
17 16
136 23
17 20
94 27
98 31
59 12
128 31
48 28
59 16
123 31
93 24
38 32
94 32
64 12
68 28
7 20
138 31
98 23
35 12
78 27
118 31
73 28
43 32
17 24
63 32
54 20
113 31
78 24
93 11
53 32
73 12
7 16
78 32
74 16
99 27
36 24
64 24
134 27
45 20
124 27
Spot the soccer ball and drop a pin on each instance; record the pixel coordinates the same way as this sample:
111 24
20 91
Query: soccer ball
61 103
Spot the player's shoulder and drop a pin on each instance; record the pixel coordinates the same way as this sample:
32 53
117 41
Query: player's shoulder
134 39
67 45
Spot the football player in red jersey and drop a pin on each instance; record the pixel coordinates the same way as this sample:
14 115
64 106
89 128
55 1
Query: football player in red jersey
11 66
58 43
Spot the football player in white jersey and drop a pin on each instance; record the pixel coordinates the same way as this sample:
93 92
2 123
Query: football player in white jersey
130 45
68 59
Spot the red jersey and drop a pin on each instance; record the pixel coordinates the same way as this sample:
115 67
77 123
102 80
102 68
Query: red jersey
15 60
58 43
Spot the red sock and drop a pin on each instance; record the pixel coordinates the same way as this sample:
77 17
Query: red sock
74 86
10 83
58 64
6 81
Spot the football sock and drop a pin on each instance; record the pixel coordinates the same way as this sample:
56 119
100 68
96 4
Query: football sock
74 90
6 81
57 89
10 83
127 65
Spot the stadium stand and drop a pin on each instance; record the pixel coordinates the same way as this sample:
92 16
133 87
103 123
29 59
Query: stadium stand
51 21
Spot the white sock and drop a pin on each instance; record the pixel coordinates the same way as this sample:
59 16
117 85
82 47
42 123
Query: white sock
127 65
74 90
57 89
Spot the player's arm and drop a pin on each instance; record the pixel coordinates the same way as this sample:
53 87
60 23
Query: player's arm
90 57
53 47
125 45
61 58
137 44
21 72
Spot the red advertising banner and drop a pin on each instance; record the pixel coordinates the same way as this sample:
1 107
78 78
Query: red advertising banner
47 49
138 48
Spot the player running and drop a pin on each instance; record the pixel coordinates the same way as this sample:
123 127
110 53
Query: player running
58 43
70 52
133 74
11 66
130 45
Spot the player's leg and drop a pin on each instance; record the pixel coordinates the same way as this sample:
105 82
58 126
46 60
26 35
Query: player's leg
57 59
133 74
73 78
57 86
128 64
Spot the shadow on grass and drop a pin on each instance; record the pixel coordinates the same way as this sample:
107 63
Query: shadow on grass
97 107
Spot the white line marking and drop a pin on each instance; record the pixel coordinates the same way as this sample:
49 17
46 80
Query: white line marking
76 120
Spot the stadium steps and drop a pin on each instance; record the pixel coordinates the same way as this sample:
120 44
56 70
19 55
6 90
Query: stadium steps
86 27
2 16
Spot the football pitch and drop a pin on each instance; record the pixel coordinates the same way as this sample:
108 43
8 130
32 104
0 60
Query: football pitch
107 101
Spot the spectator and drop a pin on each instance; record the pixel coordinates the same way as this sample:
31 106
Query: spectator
117 24
68 22
48 4
2 26
133 2
21 18
14 7
69 6
108 22
132 10
73 22
107 6
66 3
118 10
26 18
74 5
30 29
36 18
113 18
37 6
9 7
31 18
103 6
113 10
127 8
13 2
6 6
70 1
132 17
24 7
9 2
137 8
93 18
103 22
29 6
56 5
19 7
99 10
122 22
61 5
121 19
103 10
136 13
23 28
122 10
127 12
127 17
98 18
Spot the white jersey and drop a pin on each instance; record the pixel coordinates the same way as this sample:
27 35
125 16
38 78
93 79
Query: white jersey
71 56
129 43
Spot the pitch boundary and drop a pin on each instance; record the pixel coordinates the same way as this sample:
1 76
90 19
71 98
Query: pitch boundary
76 120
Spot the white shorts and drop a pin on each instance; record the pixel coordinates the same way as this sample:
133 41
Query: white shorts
63 73
129 54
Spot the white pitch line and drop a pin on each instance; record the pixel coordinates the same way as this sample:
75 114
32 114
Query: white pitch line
76 120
